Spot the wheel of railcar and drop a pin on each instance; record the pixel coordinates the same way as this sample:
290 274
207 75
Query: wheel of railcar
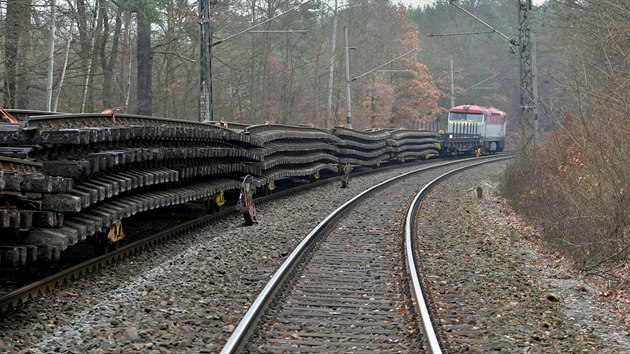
213 205
207 205
100 241
270 187
111 247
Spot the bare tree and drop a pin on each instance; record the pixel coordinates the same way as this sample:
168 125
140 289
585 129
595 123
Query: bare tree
579 192
51 55
17 53
109 58
145 62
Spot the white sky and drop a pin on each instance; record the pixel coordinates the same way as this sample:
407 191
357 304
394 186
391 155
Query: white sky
416 3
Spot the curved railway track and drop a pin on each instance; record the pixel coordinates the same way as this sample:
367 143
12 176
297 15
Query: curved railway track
345 288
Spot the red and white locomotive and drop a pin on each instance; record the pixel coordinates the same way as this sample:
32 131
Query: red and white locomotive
474 129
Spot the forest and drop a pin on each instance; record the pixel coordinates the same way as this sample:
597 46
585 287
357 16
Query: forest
283 61
143 56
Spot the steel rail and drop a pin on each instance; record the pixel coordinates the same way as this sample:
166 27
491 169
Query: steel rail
425 325
103 119
20 162
25 113
239 336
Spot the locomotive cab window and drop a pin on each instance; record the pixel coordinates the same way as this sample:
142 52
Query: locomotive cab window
456 116
471 117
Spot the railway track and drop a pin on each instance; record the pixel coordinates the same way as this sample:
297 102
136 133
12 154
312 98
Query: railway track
189 294
72 177
345 288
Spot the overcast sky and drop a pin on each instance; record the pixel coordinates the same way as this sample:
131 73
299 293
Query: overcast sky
416 3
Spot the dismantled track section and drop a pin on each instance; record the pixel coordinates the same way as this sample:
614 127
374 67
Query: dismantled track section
65 178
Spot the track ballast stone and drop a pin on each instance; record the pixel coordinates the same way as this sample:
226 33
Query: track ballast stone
189 295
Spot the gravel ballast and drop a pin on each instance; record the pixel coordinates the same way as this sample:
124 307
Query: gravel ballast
189 295
494 285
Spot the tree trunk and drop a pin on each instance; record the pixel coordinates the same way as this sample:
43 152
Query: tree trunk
145 58
125 74
252 76
17 53
63 69
288 95
330 121
87 103
108 66
81 20
51 55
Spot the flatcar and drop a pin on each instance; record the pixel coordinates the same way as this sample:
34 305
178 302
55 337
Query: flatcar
474 129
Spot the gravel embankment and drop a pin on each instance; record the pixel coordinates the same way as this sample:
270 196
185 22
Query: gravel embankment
188 296
478 248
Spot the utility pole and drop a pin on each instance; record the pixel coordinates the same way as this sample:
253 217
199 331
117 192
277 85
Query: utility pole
331 71
452 84
206 109
348 101
526 68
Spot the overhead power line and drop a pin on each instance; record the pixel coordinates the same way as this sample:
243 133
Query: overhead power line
260 23
280 31
458 34
512 41
380 66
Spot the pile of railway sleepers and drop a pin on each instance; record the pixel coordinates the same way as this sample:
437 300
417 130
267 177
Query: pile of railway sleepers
368 148
68 177
413 144
293 151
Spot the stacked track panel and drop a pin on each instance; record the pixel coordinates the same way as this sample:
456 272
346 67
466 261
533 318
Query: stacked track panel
293 151
65 178
362 148
68 177
413 144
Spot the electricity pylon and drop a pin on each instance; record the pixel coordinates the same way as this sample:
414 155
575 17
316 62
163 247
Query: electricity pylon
527 70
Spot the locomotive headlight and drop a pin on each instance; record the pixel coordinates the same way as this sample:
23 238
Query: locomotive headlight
450 136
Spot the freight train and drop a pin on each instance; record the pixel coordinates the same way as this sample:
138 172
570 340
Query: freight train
68 178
